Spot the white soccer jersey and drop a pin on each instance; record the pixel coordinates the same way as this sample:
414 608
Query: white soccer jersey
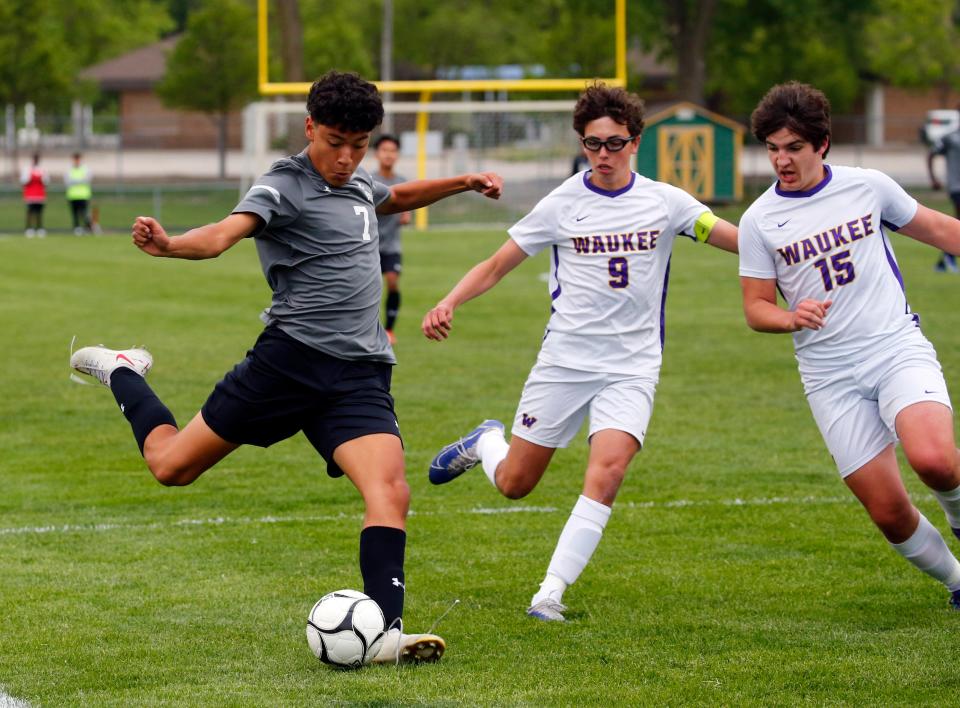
832 243
610 263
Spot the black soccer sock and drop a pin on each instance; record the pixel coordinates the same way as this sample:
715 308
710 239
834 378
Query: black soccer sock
139 404
393 308
381 565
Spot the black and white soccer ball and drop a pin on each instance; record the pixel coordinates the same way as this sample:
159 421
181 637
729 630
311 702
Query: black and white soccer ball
345 629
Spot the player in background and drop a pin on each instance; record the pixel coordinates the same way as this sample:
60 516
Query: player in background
386 149
821 237
323 364
35 180
79 193
949 147
610 233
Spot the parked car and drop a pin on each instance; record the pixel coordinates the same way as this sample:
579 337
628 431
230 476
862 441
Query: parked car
938 123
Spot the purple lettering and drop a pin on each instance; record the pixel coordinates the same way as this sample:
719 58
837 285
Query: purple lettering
853 229
791 253
837 234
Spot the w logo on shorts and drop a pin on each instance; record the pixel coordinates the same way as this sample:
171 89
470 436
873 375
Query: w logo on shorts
527 421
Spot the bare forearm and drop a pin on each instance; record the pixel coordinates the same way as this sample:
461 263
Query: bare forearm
764 316
196 244
424 192
476 282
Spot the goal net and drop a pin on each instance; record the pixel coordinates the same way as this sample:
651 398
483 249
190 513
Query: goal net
531 144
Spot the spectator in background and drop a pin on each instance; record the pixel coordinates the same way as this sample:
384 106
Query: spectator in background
949 147
34 180
79 193
387 150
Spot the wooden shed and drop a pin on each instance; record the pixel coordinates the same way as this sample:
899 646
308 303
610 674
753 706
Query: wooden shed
694 149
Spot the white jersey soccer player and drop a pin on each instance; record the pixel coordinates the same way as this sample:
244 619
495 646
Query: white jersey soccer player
602 243
821 236
610 234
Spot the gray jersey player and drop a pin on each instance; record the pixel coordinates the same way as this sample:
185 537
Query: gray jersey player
323 363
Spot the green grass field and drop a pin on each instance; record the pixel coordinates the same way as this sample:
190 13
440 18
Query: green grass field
736 568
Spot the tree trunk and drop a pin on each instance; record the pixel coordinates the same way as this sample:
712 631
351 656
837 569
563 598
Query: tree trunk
690 24
291 55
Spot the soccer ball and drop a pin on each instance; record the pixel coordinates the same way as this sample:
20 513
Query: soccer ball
345 629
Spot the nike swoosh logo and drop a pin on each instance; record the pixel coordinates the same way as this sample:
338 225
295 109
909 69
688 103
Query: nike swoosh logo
125 358
780 226
926 391
581 218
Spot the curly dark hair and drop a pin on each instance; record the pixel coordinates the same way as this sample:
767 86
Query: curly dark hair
345 101
800 108
602 101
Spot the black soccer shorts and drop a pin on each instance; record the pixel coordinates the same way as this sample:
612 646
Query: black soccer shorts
284 386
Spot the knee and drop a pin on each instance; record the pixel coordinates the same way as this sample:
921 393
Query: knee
892 515
171 476
937 467
513 487
168 472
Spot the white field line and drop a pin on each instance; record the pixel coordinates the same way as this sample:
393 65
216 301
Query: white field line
520 509
8 701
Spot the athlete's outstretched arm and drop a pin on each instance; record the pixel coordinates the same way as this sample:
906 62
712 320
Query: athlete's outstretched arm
423 192
765 315
202 242
934 228
723 235
483 276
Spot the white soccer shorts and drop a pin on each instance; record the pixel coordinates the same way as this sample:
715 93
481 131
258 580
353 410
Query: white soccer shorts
856 408
556 400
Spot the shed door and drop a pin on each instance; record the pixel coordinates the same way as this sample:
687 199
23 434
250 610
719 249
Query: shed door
685 158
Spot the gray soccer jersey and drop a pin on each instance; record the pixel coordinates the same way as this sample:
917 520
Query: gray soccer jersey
949 147
389 223
319 251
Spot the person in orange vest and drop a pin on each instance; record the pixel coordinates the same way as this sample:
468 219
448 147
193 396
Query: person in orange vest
34 181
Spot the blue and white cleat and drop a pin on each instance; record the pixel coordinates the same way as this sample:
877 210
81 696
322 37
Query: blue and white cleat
460 456
548 611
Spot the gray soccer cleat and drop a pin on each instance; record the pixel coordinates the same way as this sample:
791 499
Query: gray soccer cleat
100 362
548 611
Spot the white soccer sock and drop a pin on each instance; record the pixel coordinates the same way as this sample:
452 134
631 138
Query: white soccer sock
578 541
927 550
950 501
492 448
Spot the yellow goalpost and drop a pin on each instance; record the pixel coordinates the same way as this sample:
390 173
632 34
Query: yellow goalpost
428 88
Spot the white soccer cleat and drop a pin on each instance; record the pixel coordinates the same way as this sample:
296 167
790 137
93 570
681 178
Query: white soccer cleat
398 648
548 611
100 362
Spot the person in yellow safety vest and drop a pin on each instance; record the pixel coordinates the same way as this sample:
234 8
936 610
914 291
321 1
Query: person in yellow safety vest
79 193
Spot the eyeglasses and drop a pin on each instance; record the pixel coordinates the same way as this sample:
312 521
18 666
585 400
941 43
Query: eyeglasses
614 144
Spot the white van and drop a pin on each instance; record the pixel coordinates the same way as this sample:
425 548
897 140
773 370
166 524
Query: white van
938 123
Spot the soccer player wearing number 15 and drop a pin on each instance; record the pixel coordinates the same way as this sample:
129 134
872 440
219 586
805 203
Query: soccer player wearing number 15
821 236
610 235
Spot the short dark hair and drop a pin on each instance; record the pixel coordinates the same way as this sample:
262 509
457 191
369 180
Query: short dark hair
345 101
800 108
386 138
602 101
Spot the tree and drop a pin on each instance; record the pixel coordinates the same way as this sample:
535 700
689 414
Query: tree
213 67
915 45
